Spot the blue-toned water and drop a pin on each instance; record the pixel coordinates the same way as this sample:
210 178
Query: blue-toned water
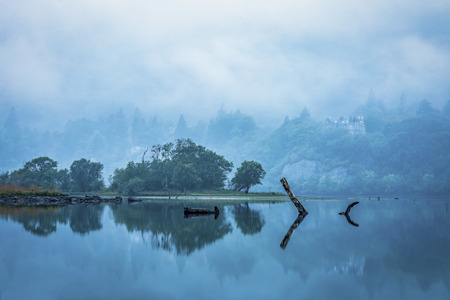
400 250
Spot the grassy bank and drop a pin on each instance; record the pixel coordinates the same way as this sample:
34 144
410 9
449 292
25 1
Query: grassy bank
175 193
26 191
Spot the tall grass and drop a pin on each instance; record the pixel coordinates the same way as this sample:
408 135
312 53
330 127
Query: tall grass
9 189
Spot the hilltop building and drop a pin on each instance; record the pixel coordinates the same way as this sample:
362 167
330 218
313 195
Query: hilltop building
354 125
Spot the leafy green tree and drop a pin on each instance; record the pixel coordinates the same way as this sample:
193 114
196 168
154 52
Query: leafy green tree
63 180
181 166
41 171
247 175
212 169
86 175
161 167
134 178
4 178
185 177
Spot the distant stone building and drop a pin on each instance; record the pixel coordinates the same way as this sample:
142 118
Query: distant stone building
354 125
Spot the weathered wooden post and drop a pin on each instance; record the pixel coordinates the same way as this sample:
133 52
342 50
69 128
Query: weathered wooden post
300 208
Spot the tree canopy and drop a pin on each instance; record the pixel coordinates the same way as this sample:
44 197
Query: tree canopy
182 166
40 171
86 175
247 175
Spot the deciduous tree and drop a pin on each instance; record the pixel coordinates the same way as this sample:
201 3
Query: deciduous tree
86 175
41 171
247 175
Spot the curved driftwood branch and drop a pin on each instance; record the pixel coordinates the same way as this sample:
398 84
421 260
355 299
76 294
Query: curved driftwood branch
300 208
347 212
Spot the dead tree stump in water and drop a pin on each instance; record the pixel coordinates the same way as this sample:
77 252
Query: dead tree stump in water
300 208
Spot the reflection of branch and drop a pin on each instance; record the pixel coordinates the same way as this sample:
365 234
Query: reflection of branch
350 221
347 216
294 226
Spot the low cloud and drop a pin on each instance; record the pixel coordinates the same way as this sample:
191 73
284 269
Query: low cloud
267 59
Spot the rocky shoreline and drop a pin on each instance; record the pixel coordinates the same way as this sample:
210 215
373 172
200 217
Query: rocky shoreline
59 200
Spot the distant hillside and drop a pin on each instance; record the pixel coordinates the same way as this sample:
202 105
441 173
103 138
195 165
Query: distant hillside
398 152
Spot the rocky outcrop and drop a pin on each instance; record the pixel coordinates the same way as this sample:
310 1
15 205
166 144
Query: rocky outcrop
306 169
302 170
60 200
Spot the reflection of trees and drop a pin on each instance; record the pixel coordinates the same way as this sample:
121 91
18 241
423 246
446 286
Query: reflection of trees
402 244
170 230
248 220
84 219
422 249
43 221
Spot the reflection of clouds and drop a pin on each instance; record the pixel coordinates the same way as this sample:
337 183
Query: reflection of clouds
329 262
233 262
321 286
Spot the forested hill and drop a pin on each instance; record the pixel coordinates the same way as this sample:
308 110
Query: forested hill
406 157
398 151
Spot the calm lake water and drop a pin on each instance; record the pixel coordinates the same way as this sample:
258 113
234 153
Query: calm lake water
148 250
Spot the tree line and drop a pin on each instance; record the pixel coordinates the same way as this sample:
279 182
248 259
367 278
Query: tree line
42 172
404 150
181 166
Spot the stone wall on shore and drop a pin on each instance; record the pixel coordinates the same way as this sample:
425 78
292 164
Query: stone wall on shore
60 200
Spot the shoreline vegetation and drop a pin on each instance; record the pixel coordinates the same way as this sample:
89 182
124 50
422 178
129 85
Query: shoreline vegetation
34 196
13 195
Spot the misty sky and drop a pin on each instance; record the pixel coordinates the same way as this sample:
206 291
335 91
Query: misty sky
267 58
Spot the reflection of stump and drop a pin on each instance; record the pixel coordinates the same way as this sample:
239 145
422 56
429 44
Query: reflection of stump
200 212
131 200
294 226
300 208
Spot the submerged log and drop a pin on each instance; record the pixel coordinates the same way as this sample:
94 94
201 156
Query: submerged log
300 208
200 212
